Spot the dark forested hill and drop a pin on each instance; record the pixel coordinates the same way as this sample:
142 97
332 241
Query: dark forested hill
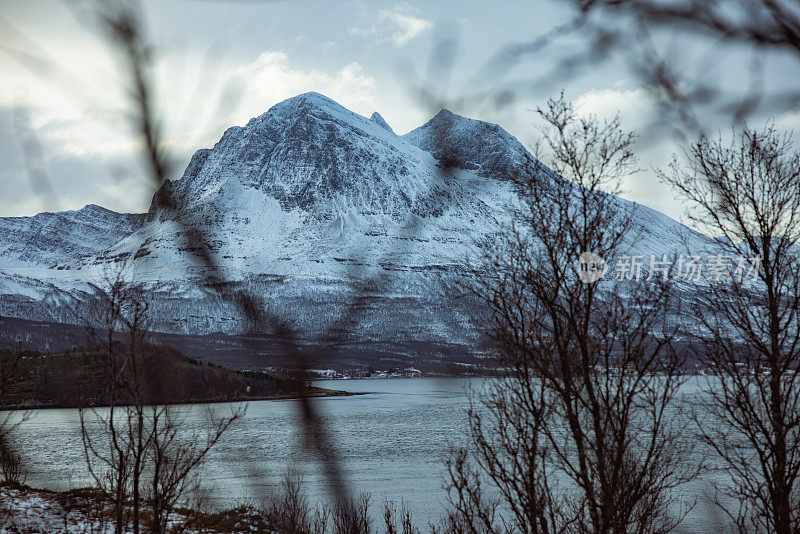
30 379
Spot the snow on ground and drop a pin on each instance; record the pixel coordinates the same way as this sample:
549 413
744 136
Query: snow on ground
27 511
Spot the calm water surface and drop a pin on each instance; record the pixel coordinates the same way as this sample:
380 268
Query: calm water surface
391 443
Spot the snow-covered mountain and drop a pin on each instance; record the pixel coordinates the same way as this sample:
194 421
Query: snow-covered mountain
301 205
47 239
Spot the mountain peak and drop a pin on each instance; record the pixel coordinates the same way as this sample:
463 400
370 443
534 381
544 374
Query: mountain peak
302 103
376 118
469 143
303 148
94 209
445 113
313 98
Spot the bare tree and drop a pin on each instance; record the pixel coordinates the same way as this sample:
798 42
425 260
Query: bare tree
581 433
116 439
391 516
506 421
290 511
11 463
140 446
747 191
12 467
175 457
353 517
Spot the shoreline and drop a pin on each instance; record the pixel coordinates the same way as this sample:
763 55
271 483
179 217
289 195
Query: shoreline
324 393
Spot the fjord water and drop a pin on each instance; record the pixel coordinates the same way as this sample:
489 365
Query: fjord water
391 443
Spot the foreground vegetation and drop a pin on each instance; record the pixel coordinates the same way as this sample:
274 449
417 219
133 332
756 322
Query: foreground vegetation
87 510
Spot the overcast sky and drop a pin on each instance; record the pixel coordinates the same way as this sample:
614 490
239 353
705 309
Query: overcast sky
221 63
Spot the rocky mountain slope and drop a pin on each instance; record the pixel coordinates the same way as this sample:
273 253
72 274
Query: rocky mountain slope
303 205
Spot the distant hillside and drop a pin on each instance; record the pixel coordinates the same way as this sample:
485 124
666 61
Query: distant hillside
267 353
32 379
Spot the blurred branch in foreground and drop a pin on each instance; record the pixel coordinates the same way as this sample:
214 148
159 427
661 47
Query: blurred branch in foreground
659 40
